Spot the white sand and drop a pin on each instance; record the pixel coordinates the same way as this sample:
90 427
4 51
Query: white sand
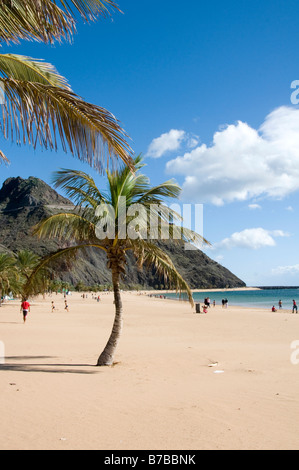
162 394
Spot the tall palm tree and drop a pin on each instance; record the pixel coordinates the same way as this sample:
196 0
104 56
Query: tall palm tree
126 191
38 105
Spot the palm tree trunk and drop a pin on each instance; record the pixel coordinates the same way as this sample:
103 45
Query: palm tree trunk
107 356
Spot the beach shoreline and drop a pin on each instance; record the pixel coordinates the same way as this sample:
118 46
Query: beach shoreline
171 291
221 380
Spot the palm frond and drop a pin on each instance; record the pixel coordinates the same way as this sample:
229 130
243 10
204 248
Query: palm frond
150 255
25 68
69 253
90 9
3 158
7 261
35 113
48 20
67 227
79 187
39 20
8 273
157 194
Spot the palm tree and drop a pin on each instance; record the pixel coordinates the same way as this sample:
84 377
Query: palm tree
38 105
126 192
8 274
25 263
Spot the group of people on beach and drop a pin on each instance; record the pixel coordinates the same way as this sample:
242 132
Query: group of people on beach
294 309
53 308
25 308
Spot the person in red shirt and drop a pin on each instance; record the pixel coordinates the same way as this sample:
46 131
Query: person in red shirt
295 307
25 307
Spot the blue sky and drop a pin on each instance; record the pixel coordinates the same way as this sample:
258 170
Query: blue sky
204 91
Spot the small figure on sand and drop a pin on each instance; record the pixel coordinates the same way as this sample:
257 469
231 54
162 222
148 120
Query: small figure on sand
66 307
280 304
25 308
274 309
52 306
295 307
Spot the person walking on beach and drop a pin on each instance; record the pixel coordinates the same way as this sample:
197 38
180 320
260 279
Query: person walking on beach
66 307
295 307
52 306
25 308
280 304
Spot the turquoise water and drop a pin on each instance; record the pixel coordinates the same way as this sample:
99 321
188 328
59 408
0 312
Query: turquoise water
256 299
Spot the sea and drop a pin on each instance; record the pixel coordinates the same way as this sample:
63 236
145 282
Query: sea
263 298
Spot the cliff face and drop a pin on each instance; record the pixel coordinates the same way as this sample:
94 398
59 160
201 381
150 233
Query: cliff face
17 193
23 203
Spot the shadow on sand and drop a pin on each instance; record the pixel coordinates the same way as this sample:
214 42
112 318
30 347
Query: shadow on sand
26 364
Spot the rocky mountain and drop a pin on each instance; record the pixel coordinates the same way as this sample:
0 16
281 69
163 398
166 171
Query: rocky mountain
17 193
23 203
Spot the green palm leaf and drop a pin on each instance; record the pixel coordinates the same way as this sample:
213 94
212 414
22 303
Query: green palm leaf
8 274
24 68
80 187
35 113
69 227
150 255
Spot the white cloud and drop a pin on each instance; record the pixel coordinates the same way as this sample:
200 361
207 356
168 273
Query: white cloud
170 142
192 141
290 209
243 162
286 269
253 207
251 238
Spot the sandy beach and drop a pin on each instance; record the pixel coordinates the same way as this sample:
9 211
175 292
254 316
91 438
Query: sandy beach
218 381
